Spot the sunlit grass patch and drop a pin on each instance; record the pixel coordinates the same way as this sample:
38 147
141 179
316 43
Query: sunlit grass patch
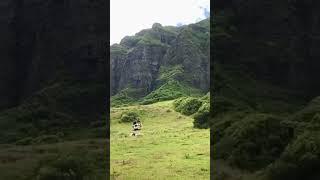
170 148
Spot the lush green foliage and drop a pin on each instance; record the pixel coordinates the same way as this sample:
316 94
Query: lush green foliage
129 116
55 109
201 117
262 124
127 96
149 36
117 49
300 160
129 41
168 91
122 98
187 105
198 107
170 73
253 141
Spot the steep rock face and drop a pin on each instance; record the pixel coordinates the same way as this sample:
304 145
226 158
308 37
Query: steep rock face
137 61
50 41
138 68
192 49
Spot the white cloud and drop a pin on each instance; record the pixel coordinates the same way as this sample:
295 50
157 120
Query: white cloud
128 17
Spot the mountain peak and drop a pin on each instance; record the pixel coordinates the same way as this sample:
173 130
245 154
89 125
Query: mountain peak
156 25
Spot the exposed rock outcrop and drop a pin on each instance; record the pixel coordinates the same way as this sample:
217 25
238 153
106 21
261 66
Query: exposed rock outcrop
137 61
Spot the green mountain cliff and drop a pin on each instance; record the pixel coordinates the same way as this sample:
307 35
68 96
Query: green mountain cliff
265 89
161 63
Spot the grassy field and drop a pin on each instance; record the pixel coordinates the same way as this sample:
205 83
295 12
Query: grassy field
169 147
28 162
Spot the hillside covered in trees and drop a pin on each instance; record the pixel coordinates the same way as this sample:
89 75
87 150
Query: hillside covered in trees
265 90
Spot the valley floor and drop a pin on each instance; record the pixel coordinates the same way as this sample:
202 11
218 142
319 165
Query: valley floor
169 147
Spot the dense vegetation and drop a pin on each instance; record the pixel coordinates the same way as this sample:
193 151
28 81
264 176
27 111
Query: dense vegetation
129 117
265 109
40 139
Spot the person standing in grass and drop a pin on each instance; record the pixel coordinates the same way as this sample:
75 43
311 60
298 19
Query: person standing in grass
136 126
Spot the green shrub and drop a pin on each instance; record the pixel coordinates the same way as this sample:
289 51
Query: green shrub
129 116
206 98
251 142
187 106
170 73
154 100
178 101
169 90
122 98
300 160
201 118
129 41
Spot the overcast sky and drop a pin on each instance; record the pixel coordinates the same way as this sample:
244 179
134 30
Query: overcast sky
128 17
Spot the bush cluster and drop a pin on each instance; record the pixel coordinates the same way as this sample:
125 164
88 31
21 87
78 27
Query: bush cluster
187 105
281 146
129 116
169 90
252 142
300 160
198 107
201 118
